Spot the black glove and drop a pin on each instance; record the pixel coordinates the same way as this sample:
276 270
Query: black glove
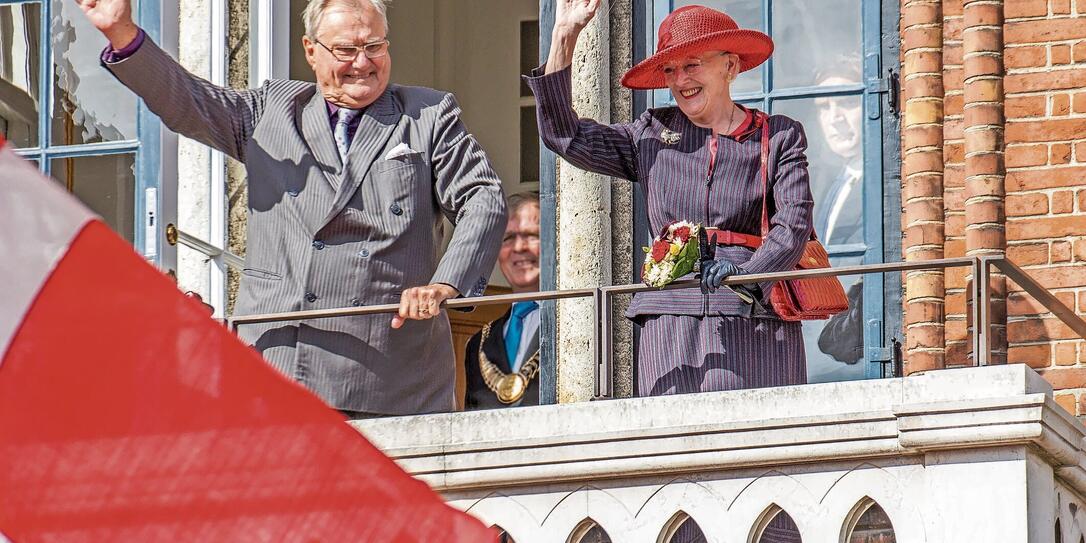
712 273
707 248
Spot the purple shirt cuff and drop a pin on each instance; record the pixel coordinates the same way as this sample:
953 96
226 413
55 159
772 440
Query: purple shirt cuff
110 56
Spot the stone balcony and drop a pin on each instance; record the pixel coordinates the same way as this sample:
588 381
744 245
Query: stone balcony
953 456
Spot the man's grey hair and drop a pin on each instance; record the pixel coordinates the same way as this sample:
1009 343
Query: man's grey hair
315 9
514 202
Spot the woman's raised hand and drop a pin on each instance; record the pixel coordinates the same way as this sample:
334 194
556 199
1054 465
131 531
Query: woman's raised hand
112 18
574 14
570 18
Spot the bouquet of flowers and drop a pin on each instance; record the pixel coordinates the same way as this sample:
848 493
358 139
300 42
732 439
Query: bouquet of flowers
672 255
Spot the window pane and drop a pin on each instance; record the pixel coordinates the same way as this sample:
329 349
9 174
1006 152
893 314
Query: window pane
835 346
834 128
20 42
32 159
529 52
747 14
106 184
89 104
529 145
813 37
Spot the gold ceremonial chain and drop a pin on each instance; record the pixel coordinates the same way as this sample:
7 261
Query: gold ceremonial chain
509 387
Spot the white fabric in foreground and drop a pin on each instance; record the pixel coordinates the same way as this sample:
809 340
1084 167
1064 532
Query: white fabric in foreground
38 220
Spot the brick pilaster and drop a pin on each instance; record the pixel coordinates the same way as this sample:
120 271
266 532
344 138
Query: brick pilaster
922 180
985 172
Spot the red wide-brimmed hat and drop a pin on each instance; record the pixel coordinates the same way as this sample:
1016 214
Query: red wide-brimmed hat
690 30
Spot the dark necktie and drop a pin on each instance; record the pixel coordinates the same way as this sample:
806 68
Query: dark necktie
343 139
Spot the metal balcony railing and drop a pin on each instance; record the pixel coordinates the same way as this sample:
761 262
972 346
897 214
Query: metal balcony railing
602 298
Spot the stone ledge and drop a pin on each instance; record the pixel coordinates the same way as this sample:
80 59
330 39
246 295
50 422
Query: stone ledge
622 439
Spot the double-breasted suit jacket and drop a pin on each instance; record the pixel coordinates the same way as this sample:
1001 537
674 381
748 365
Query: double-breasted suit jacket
323 236
477 395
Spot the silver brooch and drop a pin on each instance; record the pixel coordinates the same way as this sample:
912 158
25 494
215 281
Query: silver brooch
669 137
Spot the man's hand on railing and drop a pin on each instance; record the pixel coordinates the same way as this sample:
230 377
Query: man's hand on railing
421 303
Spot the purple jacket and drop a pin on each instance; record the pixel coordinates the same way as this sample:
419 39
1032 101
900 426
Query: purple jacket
678 186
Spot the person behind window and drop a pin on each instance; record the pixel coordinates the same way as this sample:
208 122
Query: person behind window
839 216
839 213
502 362
698 161
337 220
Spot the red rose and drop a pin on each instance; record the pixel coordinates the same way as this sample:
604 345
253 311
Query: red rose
659 250
682 233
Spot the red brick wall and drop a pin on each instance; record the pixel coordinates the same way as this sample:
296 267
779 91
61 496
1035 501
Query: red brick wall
1046 182
998 89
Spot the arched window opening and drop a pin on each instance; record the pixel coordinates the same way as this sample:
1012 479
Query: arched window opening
503 536
588 531
682 528
777 526
872 525
1059 532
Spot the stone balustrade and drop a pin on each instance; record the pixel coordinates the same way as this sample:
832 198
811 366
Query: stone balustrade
952 456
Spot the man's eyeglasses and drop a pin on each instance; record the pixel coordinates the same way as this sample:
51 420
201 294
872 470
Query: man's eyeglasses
512 237
347 53
689 67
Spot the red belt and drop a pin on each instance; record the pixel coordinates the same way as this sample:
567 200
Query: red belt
727 237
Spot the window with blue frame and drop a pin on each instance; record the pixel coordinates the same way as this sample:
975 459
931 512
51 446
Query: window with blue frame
62 110
827 72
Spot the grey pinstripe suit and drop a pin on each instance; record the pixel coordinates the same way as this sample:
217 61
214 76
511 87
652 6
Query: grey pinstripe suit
321 237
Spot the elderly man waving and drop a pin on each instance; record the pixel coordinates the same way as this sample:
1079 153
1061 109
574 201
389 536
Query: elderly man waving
349 180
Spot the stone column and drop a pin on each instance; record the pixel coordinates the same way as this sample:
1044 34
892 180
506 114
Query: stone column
622 250
237 42
985 173
194 159
922 181
583 212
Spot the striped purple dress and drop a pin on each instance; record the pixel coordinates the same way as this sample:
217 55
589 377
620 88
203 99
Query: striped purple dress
691 342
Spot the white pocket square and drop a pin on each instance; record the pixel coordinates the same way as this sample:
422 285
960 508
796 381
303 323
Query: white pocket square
398 151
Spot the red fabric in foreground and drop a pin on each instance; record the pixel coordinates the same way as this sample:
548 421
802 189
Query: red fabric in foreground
126 414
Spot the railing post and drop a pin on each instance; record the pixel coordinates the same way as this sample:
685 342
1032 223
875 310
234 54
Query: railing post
597 348
605 348
982 312
974 311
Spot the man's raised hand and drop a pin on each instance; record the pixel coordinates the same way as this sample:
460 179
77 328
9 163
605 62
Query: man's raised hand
113 18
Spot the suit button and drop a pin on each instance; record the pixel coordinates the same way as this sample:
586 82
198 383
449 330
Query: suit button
396 209
318 244
364 253
356 302
292 193
310 297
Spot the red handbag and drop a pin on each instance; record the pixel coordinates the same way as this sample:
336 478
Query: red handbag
801 299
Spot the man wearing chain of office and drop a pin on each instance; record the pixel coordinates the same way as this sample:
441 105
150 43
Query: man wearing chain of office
502 362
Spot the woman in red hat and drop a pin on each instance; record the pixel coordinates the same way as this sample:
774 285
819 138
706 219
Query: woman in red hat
701 162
